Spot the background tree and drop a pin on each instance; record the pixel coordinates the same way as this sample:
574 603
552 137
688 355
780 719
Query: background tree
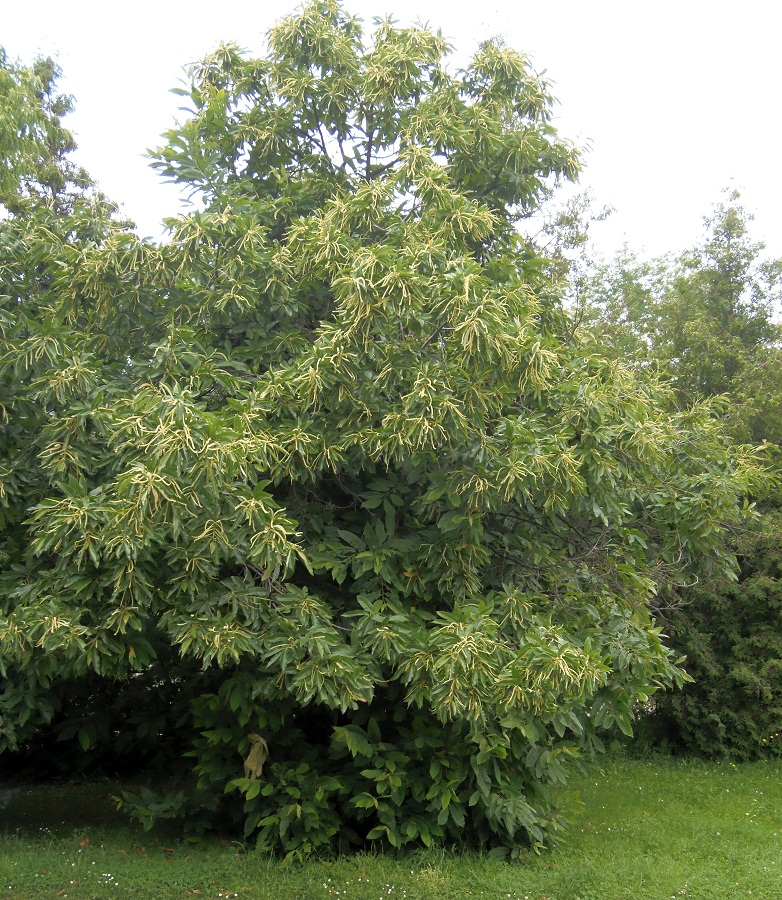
327 474
717 316
710 321
34 145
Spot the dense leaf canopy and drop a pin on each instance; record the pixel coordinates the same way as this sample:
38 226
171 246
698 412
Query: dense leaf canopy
709 320
328 468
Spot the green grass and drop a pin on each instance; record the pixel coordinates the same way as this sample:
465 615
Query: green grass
661 829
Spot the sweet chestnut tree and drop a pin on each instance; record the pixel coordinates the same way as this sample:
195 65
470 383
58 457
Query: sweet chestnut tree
329 471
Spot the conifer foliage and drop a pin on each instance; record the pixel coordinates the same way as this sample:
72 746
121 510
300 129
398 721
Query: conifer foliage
327 472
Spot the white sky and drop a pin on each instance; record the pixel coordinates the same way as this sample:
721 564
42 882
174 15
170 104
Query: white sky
677 99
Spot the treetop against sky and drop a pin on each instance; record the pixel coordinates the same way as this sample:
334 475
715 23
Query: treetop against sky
656 91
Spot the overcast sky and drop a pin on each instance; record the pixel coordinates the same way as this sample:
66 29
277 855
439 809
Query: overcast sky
676 100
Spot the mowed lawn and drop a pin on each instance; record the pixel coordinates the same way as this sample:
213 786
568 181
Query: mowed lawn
661 829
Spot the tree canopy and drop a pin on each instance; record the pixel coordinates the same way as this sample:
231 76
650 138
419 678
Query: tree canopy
34 145
709 320
326 477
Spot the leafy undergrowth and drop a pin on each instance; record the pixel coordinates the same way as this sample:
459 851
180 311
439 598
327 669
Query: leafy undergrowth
661 829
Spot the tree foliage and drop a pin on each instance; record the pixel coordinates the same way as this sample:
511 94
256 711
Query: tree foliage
326 468
732 635
34 145
709 319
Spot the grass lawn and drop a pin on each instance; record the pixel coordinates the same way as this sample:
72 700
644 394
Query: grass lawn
662 829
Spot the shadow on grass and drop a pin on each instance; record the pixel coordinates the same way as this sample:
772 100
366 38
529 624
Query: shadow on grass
27 808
